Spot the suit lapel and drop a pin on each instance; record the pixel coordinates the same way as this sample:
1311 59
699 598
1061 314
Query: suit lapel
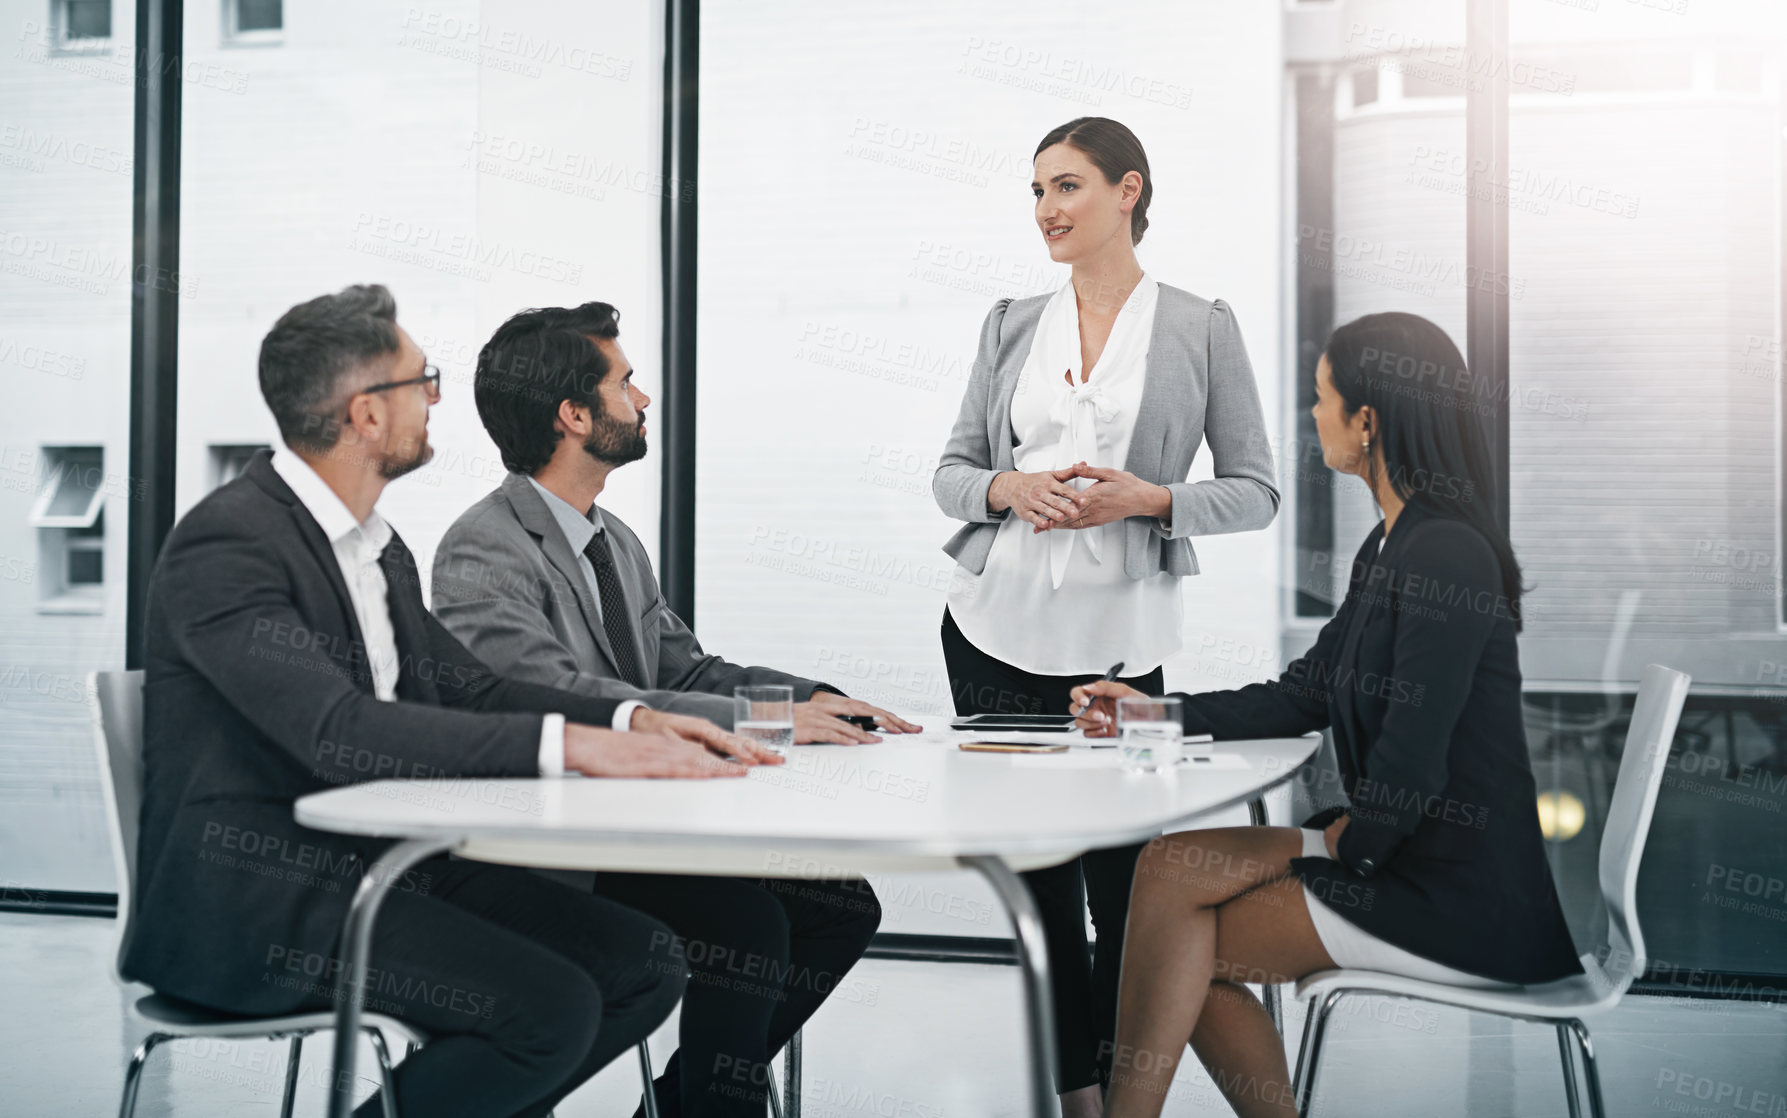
1008 367
537 519
261 471
1147 446
1370 593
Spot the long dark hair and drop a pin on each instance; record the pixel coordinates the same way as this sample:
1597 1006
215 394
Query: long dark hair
1115 151
1433 422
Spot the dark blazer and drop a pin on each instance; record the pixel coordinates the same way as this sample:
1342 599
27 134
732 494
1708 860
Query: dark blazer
1418 677
507 584
257 692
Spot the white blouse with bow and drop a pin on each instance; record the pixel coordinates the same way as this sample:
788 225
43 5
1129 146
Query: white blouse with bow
1059 602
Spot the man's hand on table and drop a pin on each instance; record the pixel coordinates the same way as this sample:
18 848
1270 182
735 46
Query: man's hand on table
820 720
662 745
1095 704
700 732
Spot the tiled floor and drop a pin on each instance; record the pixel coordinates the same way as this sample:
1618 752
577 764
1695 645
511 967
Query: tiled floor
925 1040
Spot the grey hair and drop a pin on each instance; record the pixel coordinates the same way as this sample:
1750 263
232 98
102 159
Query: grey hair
307 356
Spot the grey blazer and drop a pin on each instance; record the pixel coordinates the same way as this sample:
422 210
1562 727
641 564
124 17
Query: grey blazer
1199 388
508 586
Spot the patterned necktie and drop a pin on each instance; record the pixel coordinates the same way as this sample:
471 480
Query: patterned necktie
614 609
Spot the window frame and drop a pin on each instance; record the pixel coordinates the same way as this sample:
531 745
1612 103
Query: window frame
62 43
63 462
233 36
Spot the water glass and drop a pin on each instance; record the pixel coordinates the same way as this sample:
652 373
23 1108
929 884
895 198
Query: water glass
765 714
1149 732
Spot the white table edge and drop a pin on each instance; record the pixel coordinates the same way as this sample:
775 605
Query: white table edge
1027 847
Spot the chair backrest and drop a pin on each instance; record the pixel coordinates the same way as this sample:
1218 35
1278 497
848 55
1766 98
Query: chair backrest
116 701
1654 716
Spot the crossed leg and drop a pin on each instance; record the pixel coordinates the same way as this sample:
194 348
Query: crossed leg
1211 910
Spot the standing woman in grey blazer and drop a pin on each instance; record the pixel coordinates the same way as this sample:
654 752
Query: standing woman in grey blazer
1068 462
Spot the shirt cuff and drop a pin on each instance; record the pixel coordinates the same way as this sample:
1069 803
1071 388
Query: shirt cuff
552 745
623 715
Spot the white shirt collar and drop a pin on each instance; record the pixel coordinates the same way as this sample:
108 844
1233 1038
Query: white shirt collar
328 509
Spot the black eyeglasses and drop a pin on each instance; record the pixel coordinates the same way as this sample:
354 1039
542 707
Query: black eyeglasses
430 380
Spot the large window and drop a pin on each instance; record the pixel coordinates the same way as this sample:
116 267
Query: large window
858 221
856 224
1377 210
476 158
1643 193
65 497
1644 200
846 269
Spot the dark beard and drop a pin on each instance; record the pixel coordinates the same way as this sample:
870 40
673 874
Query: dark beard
614 441
391 468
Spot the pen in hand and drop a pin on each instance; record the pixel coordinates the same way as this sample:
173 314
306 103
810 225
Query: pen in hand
1109 675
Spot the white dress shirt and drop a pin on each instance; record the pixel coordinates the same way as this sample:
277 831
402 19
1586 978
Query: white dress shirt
1059 602
357 546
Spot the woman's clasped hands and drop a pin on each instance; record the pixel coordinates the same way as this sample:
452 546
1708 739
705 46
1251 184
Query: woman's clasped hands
1046 500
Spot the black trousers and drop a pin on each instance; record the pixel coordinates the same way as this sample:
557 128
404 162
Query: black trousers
762 955
527 987
1085 981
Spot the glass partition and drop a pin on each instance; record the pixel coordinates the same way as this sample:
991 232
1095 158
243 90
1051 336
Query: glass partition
66 161
476 158
1644 202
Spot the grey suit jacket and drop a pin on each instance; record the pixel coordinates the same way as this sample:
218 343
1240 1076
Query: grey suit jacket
507 585
1199 389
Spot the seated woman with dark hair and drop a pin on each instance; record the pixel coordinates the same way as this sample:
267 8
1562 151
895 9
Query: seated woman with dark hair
1435 868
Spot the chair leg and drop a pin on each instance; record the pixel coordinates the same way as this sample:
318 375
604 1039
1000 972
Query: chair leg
1566 1049
645 1074
1315 1031
1596 1107
775 1100
1274 1007
791 1075
291 1076
1302 1054
133 1072
387 1086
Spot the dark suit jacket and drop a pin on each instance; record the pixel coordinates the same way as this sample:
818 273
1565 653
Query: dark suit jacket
257 692
1418 677
507 584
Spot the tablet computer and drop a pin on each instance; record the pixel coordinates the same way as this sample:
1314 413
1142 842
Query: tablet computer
1029 723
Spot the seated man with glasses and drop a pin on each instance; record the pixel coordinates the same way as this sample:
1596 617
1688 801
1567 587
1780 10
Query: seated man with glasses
288 652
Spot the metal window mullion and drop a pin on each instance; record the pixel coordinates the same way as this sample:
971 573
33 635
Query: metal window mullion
1486 222
676 524
154 309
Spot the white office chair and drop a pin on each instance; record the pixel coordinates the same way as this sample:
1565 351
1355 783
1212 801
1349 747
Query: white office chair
116 702
1609 971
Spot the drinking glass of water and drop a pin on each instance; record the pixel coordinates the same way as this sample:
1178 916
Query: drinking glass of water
765 714
1149 733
